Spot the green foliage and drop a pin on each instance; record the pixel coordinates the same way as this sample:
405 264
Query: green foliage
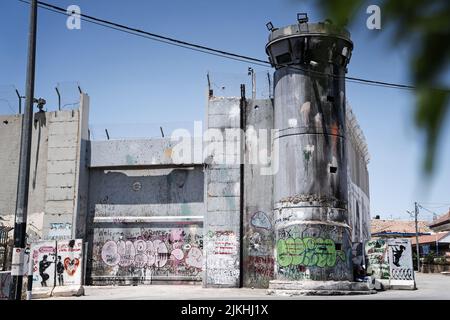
429 258
425 26
440 260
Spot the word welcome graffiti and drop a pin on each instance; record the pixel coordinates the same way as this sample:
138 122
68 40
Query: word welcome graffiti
308 252
141 253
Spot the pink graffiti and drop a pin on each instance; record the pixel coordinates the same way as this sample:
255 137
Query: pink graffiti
148 253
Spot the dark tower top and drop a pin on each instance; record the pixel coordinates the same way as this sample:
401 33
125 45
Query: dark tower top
315 44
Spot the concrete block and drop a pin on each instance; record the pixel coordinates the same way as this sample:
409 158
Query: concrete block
63 128
319 288
224 106
230 159
59 207
143 152
62 154
62 141
223 219
41 293
223 203
59 194
223 175
224 189
64 116
60 180
220 121
60 167
68 291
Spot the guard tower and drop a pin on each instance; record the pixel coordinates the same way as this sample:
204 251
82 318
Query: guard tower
313 239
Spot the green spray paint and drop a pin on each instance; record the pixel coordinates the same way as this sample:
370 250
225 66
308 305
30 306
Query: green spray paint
308 252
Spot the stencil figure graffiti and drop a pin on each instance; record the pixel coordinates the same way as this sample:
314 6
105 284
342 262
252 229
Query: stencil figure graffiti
308 252
397 253
43 265
400 260
60 271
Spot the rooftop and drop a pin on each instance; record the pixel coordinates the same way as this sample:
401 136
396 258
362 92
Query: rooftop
445 218
432 238
397 226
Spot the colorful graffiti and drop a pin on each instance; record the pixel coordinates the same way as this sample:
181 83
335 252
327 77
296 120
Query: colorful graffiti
261 266
69 262
147 254
377 259
141 253
308 251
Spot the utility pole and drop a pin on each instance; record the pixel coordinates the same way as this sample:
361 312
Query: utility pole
416 213
24 165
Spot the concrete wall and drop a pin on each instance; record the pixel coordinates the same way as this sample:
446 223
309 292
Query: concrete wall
10 133
145 221
358 180
222 184
56 165
258 239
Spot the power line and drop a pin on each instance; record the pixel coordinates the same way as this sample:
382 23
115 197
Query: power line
207 50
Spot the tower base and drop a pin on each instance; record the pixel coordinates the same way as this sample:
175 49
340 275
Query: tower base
317 288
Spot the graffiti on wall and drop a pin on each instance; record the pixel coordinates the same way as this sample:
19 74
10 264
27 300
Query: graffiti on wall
43 255
400 259
377 259
222 254
260 267
59 231
308 251
141 253
148 253
69 262
259 262
260 220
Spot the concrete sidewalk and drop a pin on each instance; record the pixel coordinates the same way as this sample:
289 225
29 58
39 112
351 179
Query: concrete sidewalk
430 287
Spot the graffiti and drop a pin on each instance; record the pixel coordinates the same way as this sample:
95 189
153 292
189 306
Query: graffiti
377 259
223 276
194 258
308 252
260 243
147 254
400 259
43 255
224 242
142 254
222 257
297 273
57 263
397 254
261 266
260 220
60 231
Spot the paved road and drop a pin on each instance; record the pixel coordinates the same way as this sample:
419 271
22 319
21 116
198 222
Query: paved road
430 287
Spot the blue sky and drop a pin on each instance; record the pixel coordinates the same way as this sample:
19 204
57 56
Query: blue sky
136 84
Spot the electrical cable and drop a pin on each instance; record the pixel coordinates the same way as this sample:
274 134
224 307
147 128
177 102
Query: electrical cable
209 50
